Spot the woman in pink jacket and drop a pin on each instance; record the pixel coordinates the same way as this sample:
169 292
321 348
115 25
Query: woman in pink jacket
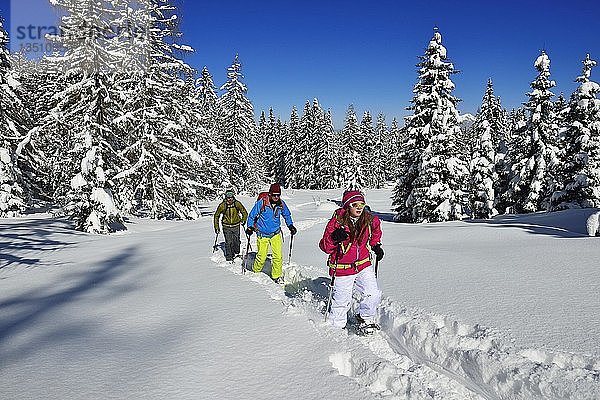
346 237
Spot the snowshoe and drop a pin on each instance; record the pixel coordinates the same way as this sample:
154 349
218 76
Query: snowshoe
363 328
279 281
367 329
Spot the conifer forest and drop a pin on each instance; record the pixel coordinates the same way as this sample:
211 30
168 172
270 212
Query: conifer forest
119 124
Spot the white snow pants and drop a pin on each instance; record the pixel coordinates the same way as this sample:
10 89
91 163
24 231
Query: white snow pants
366 285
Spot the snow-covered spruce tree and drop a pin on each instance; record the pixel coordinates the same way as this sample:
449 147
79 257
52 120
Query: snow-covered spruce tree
352 171
165 177
315 146
580 163
294 158
280 173
532 178
258 160
205 117
81 121
238 132
261 131
561 109
272 144
14 120
337 159
303 154
467 138
380 153
12 202
40 82
432 176
91 201
203 140
367 151
517 119
393 145
507 154
328 153
492 111
490 131
517 124
483 173
206 94
304 169
467 141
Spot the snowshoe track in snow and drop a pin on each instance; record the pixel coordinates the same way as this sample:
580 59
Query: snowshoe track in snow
419 355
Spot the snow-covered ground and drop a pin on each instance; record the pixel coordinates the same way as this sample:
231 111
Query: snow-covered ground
501 309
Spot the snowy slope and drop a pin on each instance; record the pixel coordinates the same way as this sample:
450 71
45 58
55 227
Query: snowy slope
502 309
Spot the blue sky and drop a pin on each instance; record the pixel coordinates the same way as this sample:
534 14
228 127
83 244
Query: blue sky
364 52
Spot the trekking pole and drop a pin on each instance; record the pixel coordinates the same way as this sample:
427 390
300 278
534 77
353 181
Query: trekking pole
215 245
246 255
376 266
290 255
337 253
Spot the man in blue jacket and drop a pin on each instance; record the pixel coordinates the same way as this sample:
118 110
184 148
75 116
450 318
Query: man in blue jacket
265 220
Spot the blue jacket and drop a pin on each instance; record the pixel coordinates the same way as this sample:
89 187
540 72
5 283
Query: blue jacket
268 222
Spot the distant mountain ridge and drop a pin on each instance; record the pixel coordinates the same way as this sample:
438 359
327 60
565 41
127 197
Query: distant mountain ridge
466 120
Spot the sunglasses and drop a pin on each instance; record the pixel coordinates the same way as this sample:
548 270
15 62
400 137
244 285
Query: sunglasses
275 195
358 204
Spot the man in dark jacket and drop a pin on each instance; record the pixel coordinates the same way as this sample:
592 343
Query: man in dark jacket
234 214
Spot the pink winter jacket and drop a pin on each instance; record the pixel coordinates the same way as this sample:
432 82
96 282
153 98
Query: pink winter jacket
355 256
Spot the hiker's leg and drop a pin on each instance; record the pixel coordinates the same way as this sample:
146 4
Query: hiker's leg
277 259
261 253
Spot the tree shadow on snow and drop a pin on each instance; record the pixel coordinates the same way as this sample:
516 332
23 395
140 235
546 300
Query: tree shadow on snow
23 312
561 224
19 238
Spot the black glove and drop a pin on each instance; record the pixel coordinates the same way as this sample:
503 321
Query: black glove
249 231
293 230
378 251
339 235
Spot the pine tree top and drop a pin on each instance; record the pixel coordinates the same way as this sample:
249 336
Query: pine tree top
588 64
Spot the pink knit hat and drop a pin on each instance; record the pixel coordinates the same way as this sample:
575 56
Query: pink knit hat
351 196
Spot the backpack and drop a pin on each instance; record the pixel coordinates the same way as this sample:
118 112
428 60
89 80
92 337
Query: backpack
264 196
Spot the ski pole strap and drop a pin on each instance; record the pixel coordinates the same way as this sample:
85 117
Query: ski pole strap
348 266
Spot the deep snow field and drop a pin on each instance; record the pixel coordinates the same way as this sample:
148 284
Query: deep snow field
501 309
